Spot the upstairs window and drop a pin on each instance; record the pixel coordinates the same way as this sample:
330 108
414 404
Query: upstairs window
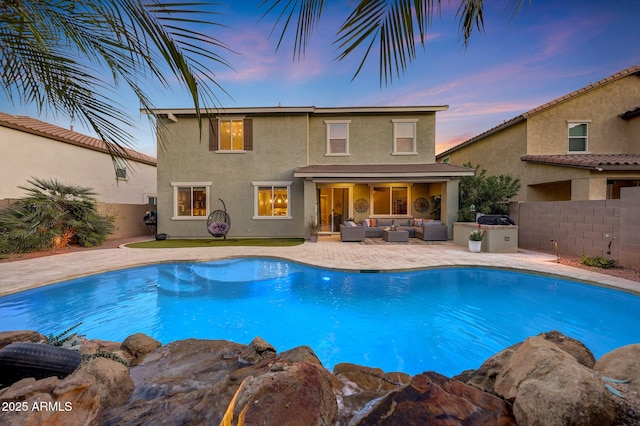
231 135
578 136
404 137
337 137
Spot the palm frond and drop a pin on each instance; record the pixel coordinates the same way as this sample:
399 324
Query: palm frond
471 13
308 13
392 25
55 54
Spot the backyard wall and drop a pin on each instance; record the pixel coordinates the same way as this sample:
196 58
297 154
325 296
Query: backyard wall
129 217
583 227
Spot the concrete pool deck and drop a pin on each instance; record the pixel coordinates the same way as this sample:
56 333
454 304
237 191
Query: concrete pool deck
327 252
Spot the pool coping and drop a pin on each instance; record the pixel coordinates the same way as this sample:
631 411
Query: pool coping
327 252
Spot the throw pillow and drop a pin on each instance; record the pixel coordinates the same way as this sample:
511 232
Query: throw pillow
418 222
372 222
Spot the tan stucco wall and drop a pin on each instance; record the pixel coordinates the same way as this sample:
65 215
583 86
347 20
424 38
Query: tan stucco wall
546 132
128 219
498 154
371 139
608 133
279 146
24 156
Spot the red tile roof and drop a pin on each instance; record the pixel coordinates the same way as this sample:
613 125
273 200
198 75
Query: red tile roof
588 161
50 131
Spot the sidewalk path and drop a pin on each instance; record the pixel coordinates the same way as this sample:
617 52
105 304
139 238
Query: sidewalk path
327 252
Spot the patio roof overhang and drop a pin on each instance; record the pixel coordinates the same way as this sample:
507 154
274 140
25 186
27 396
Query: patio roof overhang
424 172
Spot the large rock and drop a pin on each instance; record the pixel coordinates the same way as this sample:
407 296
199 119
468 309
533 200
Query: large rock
111 378
484 378
189 382
357 386
574 347
620 371
289 394
9 337
139 345
550 387
432 399
622 364
300 353
79 399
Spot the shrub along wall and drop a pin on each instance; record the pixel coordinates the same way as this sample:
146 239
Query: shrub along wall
129 218
583 227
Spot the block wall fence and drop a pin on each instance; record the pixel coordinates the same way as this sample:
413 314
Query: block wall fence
583 227
128 217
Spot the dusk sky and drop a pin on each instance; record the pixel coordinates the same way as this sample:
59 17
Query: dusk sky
549 49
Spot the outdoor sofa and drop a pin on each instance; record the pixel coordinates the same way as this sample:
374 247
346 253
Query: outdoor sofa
428 230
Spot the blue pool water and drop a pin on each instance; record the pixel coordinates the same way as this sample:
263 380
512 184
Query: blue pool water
446 320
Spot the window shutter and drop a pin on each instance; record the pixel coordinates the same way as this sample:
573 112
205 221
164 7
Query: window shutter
248 134
213 135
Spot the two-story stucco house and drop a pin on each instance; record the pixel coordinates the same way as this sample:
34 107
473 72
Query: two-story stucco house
581 146
33 148
279 168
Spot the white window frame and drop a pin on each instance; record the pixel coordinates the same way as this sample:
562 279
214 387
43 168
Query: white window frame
395 135
230 120
177 185
569 137
406 186
328 152
273 185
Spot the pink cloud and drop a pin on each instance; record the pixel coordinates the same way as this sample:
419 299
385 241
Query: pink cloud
257 59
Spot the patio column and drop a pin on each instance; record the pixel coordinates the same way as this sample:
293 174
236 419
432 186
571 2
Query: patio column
309 204
450 204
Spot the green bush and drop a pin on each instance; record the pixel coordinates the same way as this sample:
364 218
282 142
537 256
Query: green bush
53 214
488 194
598 262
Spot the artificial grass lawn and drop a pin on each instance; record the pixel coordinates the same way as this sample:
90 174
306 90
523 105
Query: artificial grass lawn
229 242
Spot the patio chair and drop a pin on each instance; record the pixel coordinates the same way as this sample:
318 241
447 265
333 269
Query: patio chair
351 233
219 222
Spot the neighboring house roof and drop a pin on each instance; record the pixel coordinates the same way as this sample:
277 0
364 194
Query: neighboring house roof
634 70
384 171
588 161
50 131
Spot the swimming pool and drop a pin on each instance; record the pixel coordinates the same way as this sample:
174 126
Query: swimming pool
447 320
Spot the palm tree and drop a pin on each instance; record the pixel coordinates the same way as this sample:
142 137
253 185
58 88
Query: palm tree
52 215
392 24
53 53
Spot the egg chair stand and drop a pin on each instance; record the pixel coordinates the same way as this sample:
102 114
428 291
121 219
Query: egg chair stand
219 222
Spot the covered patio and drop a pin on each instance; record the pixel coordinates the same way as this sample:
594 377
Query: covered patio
334 193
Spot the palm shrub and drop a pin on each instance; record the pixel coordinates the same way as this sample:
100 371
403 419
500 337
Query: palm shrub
52 215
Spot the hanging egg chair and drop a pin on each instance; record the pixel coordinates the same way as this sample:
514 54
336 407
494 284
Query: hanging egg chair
219 222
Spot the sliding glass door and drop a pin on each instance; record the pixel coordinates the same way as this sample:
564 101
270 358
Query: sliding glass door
333 208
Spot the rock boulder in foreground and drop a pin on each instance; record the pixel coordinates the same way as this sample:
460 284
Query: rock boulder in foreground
548 379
